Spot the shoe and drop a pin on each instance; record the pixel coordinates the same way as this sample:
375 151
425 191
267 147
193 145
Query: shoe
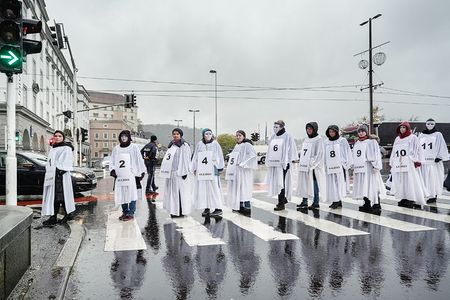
431 200
279 207
313 206
50 221
402 203
366 207
67 217
409 204
155 188
216 213
245 211
335 205
127 218
205 212
304 204
236 210
376 209
122 216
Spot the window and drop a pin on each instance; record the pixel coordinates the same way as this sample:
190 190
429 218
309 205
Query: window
48 117
42 108
131 117
105 115
105 135
34 108
53 100
114 136
95 115
95 154
47 71
97 135
96 144
47 96
105 145
105 125
34 71
41 79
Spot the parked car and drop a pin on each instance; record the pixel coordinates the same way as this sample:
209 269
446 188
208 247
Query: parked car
105 162
31 173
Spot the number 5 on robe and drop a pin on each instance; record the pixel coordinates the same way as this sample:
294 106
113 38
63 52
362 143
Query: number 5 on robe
205 166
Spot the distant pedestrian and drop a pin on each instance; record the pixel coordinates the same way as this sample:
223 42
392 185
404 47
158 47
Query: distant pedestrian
367 182
338 159
239 175
281 153
311 175
128 169
435 153
207 163
175 169
58 188
406 158
149 153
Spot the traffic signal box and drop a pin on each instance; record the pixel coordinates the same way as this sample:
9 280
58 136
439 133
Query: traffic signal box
13 47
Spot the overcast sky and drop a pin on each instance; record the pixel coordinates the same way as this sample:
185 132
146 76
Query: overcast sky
262 44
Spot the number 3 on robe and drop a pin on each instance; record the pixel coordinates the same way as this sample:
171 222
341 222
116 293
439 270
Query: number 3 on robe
166 164
205 166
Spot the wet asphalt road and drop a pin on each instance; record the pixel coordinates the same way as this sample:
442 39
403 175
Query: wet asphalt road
386 264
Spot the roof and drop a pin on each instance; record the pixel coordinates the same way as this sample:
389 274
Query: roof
105 98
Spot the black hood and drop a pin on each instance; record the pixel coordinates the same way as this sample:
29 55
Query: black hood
128 134
68 144
315 128
335 128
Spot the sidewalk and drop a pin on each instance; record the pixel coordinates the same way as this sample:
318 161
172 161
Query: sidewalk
53 251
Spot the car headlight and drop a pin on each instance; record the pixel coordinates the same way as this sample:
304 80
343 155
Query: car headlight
78 175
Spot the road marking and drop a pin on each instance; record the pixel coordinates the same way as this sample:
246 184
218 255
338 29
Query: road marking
411 212
122 236
258 228
192 231
324 225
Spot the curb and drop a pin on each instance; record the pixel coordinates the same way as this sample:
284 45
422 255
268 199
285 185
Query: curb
66 259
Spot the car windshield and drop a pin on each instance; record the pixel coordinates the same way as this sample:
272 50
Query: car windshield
36 157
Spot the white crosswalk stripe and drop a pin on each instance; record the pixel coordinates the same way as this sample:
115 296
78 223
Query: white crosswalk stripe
121 236
258 228
324 225
437 205
411 212
193 232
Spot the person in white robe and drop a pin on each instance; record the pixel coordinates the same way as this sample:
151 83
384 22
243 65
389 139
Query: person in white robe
311 173
128 169
207 163
239 174
58 189
338 159
281 153
435 154
406 158
175 169
367 182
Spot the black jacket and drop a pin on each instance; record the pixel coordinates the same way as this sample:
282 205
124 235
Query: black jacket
149 152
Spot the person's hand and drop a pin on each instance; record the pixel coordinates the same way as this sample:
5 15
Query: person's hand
295 161
219 170
61 172
195 172
436 160
417 164
113 173
184 177
142 176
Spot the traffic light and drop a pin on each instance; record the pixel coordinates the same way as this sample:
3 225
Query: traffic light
127 101
254 137
84 134
68 114
30 26
17 136
10 36
57 35
257 136
133 100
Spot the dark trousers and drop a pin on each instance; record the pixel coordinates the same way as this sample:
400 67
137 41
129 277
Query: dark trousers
151 186
282 195
316 190
59 194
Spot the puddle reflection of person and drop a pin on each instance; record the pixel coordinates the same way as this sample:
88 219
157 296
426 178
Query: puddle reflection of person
127 272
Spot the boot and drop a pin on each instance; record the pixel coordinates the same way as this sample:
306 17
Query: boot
335 205
314 206
216 213
303 205
366 207
431 200
50 221
279 207
376 209
409 204
205 212
402 203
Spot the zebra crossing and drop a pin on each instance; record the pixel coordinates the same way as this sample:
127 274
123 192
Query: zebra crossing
126 235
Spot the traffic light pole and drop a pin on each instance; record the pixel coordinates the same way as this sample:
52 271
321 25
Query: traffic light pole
11 160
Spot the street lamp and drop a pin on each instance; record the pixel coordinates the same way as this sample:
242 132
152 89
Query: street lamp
215 95
194 111
178 122
370 70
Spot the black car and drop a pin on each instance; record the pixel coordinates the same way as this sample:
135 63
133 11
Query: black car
31 173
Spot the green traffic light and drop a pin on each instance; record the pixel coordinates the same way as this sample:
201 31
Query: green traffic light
10 58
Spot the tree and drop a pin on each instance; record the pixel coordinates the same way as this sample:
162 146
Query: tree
227 142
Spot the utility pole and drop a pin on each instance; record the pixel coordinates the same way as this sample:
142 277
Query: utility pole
194 111
11 160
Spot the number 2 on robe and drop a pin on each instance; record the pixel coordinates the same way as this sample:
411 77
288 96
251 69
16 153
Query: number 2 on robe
121 164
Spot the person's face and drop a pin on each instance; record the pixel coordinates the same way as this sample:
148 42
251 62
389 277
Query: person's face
176 136
124 138
362 133
208 136
309 130
239 137
276 128
430 125
331 132
58 138
402 129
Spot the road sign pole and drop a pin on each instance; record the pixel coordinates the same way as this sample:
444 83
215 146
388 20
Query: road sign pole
11 160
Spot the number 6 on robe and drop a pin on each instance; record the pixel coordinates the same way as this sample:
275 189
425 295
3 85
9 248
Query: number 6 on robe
205 166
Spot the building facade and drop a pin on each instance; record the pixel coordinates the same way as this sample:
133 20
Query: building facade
43 91
108 117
